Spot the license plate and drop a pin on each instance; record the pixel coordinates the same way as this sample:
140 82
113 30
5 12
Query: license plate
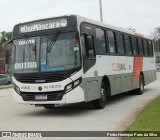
40 97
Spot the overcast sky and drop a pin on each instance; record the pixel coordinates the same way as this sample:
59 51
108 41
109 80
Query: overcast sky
143 15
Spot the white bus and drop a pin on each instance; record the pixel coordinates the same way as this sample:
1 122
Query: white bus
72 59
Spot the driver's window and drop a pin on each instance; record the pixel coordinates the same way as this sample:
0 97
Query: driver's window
88 46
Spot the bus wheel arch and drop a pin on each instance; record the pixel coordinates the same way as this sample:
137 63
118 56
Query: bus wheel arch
140 89
141 74
104 93
106 81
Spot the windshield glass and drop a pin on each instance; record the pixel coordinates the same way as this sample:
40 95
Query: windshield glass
59 52
26 55
56 52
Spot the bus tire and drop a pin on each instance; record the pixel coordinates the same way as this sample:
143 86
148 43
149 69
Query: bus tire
101 102
140 90
49 106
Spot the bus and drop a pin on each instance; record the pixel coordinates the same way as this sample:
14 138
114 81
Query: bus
2 66
71 59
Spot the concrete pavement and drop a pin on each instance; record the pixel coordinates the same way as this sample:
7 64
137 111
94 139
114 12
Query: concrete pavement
119 113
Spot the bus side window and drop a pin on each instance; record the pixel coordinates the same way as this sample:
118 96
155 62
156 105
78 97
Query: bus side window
150 48
83 46
140 46
88 50
111 42
100 41
134 46
120 44
146 48
128 47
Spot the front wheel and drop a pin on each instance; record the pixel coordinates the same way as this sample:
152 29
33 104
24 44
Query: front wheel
101 102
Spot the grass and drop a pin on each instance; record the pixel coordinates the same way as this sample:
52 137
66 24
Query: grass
148 120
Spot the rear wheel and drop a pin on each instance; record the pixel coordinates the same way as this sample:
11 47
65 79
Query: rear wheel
101 102
140 90
49 106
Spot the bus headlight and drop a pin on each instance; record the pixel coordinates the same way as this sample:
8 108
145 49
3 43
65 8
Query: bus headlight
72 85
16 88
68 87
77 82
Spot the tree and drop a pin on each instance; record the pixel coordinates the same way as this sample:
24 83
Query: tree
132 29
156 33
156 41
4 38
156 38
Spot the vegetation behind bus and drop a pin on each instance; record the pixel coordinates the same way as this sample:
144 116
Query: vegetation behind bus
5 50
156 40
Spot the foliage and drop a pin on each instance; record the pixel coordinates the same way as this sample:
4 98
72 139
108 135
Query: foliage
4 38
148 120
156 37
156 33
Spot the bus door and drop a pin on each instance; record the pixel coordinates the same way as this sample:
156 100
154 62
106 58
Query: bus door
89 62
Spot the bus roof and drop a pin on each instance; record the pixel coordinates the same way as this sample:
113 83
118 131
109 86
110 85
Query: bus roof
81 19
84 19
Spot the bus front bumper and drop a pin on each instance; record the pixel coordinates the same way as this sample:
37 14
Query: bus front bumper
74 96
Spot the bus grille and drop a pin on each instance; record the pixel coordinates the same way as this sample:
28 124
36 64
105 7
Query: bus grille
51 96
40 78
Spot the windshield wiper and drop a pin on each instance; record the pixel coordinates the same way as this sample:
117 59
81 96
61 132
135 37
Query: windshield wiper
51 44
33 47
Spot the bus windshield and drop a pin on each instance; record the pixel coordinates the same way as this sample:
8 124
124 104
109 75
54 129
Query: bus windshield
56 52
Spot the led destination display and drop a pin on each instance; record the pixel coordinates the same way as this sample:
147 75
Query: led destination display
43 25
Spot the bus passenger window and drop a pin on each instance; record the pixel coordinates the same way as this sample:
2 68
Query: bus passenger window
111 42
134 46
146 49
150 48
120 44
128 47
100 41
140 46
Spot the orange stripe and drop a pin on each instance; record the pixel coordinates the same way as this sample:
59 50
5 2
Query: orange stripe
137 68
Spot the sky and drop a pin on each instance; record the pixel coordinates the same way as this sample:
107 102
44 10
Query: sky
142 15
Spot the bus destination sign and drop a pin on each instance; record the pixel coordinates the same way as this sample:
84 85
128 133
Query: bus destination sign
43 25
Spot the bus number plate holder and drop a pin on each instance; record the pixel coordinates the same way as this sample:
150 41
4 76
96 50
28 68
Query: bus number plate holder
40 97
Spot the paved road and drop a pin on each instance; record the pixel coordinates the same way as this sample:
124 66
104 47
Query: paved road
119 113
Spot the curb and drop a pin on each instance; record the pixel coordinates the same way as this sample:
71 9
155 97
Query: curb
5 86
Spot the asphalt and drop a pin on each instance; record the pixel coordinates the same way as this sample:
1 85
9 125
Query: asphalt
5 86
120 112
